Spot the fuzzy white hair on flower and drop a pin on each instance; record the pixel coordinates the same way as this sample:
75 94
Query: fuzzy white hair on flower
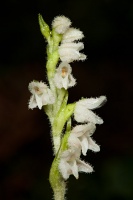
41 95
83 113
81 134
63 77
61 24
70 163
71 35
69 52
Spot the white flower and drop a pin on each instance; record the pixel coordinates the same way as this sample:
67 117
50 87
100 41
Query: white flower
70 163
71 35
83 109
80 134
70 51
61 24
63 77
41 95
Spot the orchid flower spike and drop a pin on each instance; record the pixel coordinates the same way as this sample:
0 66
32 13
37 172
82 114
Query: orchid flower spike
64 46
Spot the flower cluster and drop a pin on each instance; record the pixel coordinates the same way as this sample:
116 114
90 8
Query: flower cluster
80 139
63 47
69 48
68 51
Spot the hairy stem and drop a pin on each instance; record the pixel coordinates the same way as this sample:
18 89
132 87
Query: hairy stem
57 182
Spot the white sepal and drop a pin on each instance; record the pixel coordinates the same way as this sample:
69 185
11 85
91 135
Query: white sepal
61 24
70 51
71 35
83 109
93 103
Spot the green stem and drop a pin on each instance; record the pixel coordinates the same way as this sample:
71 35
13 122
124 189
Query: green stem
57 182
59 123
53 55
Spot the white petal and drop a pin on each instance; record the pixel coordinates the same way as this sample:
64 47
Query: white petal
32 102
75 170
31 86
47 97
92 117
72 81
84 167
80 130
39 101
65 82
65 169
82 114
84 144
93 103
71 154
70 51
69 55
91 129
71 35
82 56
77 46
74 142
58 81
92 145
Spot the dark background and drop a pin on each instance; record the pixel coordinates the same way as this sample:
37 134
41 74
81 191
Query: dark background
25 144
